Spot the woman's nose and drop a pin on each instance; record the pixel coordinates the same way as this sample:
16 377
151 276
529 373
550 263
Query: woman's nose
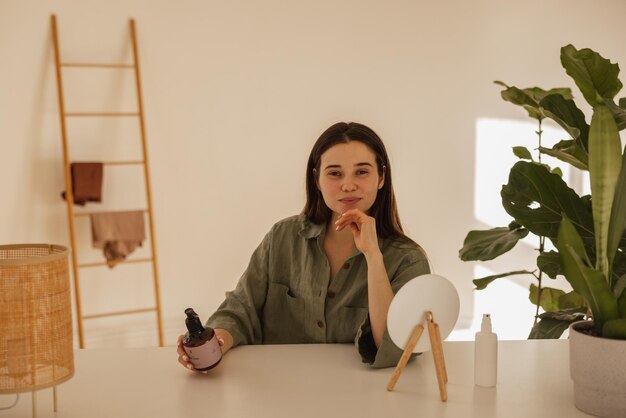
348 185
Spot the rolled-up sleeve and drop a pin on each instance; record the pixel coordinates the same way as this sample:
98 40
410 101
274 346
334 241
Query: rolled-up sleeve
388 354
240 312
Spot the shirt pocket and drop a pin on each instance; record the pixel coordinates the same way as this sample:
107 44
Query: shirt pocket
283 316
350 319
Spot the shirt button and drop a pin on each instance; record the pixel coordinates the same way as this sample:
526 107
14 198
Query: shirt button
330 294
346 266
320 324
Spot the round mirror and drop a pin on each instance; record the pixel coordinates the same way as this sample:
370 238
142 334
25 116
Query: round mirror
428 292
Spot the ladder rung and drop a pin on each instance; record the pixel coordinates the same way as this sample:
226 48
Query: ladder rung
129 162
94 213
105 114
102 263
104 315
123 162
95 65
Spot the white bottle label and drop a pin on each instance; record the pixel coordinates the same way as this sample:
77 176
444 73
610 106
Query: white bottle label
205 355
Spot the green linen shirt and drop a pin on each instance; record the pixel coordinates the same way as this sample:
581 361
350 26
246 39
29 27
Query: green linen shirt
286 295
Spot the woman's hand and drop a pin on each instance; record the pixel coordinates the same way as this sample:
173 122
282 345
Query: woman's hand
379 292
363 228
183 358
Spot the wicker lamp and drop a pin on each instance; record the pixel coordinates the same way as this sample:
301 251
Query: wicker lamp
36 349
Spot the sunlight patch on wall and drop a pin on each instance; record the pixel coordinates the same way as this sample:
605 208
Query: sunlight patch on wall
495 139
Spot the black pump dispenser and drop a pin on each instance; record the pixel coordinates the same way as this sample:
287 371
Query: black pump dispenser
193 321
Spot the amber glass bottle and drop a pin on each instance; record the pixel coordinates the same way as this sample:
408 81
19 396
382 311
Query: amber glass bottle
200 343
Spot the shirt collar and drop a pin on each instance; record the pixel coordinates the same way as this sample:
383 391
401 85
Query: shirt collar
310 230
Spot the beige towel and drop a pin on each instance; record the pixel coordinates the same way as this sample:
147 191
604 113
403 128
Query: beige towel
117 233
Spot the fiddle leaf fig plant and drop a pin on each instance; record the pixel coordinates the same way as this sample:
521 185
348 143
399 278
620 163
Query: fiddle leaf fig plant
587 231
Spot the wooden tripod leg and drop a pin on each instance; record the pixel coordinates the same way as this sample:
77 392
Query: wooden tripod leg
415 336
443 359
436 346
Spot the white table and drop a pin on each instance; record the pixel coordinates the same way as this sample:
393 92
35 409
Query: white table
309 381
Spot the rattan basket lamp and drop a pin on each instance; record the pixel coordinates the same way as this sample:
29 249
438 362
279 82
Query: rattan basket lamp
36 346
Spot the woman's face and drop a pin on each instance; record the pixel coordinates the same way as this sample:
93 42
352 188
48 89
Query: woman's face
348 177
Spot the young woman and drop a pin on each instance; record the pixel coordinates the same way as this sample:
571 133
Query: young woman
328 275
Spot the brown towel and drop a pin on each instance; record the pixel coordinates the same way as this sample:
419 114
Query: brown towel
117 233
86 182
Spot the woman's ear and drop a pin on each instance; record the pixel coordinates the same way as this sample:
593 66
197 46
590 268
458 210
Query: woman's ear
381 183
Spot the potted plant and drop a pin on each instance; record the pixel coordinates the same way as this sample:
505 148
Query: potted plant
537 197
588 231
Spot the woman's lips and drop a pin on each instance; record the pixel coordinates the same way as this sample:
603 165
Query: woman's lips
350 200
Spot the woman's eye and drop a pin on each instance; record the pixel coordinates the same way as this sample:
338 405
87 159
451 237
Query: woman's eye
334 173
362 172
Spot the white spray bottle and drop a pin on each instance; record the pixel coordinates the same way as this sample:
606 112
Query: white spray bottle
486 355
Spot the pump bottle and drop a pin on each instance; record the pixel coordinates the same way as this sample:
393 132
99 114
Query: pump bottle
486 355
200 343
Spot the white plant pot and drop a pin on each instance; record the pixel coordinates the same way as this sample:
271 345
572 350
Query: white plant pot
598 369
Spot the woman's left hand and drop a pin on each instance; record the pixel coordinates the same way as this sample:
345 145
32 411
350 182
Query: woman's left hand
363 228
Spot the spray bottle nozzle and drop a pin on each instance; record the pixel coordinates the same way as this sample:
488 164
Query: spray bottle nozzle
485 325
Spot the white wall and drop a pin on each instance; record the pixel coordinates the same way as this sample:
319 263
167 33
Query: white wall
236 93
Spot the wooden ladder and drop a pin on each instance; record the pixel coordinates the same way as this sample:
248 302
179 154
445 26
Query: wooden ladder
68 179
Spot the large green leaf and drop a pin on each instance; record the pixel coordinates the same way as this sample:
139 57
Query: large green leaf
569 151
529 98
549 263
487 245
585 280
536 198
571 300
565 113
549 299
604 167
548 328
521 98
483 282
618 212
552 324
595 76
